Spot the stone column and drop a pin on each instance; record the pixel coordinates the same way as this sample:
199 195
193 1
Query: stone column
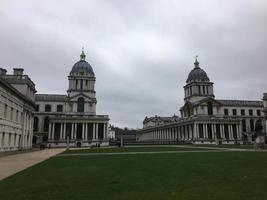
83 130
75 131
230 131
49 131
61 132
94 135
222 131
86 132
64 131
72 131
195 134
212 131
53 131
205 131
96 131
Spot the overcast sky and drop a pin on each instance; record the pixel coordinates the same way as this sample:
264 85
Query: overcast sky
141 50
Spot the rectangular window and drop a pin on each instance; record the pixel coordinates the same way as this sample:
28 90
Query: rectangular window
226 112
242 112
37 108
81 84
259 112
234 112
86 82
250 112
59 108
47 108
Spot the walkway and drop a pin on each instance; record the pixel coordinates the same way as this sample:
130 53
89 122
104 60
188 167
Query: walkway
12 164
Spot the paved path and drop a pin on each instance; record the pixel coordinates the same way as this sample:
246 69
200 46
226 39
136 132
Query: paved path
14 163
137 152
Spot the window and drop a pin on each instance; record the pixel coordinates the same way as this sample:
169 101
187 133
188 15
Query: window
226 112
37 108
242 112
86 82
47 108
259 112
234 112
204 92
199 90
80 107
250 112
210 110
35 123
59 108
76 84
81 84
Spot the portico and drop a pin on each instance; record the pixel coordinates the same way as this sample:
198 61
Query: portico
86 132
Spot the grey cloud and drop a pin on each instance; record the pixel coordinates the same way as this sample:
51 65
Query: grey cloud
141 51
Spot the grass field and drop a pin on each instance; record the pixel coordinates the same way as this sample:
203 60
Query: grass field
202 175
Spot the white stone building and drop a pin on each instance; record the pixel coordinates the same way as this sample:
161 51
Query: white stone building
265 108
205 119
16 110
72 116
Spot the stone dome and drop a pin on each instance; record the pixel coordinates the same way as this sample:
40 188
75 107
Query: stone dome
82 67
197 74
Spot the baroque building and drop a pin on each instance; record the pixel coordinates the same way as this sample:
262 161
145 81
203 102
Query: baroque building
72 118
205 119
16 110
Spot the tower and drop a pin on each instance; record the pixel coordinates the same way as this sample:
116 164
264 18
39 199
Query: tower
81 91
198 85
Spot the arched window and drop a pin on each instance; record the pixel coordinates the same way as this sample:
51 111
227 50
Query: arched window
80 106
35 123
46 124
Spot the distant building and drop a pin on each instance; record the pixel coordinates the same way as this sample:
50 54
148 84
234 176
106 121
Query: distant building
265 109
72 116
205 119
158 121
16 110
111 133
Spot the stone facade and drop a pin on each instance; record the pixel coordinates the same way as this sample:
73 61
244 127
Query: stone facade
265 109
16 110
72 118
205 119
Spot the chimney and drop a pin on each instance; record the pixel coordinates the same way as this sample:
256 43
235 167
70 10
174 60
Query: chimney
18 71
2 71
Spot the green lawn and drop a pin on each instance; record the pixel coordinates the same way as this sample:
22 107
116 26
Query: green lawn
183 176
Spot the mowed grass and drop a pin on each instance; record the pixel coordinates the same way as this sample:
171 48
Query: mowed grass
184 176
132 149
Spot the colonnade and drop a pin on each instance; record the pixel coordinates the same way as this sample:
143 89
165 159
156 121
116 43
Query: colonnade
194 131
85 133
